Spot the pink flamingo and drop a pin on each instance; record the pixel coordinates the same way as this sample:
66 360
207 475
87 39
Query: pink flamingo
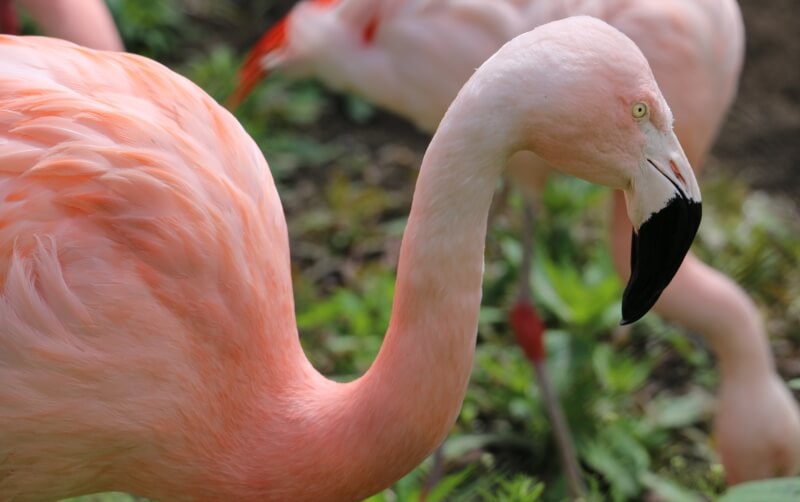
88 22
411 57
147 333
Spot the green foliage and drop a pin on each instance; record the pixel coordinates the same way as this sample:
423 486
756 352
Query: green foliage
771 490
215 72
587 299
412 487
107 497
343 331
150 27
517 489
620 457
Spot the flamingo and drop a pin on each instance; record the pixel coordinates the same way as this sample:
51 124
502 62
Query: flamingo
410 57
147 333
90 24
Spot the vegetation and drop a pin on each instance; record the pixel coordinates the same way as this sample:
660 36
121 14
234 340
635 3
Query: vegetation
639 401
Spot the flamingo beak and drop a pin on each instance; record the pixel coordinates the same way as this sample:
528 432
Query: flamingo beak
255 67
665 202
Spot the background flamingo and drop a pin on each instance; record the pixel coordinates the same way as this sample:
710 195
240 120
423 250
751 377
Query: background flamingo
141 224
411 57
87 22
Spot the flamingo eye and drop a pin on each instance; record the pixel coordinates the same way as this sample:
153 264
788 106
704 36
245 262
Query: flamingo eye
639 110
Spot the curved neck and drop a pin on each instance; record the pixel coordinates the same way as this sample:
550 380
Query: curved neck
377 428
697 297
738 338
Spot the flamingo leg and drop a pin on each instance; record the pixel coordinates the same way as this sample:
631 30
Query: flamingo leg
499 202
9 22
437 471
528 331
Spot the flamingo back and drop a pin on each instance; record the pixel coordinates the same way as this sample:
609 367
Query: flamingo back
144 278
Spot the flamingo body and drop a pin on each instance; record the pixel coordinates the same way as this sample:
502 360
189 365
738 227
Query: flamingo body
88 23
119 203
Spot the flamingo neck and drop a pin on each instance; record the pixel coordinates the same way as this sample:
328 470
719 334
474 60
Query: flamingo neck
353 439
737 338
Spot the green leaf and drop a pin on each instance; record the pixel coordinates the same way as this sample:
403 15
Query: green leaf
619 373
107 497
770 490
674 412
620 458
668 490
520 488
446 486
359 110
458 446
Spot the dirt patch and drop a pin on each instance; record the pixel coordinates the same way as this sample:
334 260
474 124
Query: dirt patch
760 140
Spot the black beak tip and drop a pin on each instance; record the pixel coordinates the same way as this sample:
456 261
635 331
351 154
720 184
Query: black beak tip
633 310
657 252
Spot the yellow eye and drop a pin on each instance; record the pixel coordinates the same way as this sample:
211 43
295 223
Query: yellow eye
639 110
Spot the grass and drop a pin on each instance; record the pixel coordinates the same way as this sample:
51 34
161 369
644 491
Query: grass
638 402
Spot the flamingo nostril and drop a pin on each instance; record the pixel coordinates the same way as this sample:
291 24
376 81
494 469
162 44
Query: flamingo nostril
676 172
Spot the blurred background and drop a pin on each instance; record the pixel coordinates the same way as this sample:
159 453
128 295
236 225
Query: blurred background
639 401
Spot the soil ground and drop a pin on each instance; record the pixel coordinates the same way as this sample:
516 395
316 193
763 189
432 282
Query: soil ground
761 137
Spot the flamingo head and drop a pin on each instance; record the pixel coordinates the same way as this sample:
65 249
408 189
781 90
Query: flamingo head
593 110
310 38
